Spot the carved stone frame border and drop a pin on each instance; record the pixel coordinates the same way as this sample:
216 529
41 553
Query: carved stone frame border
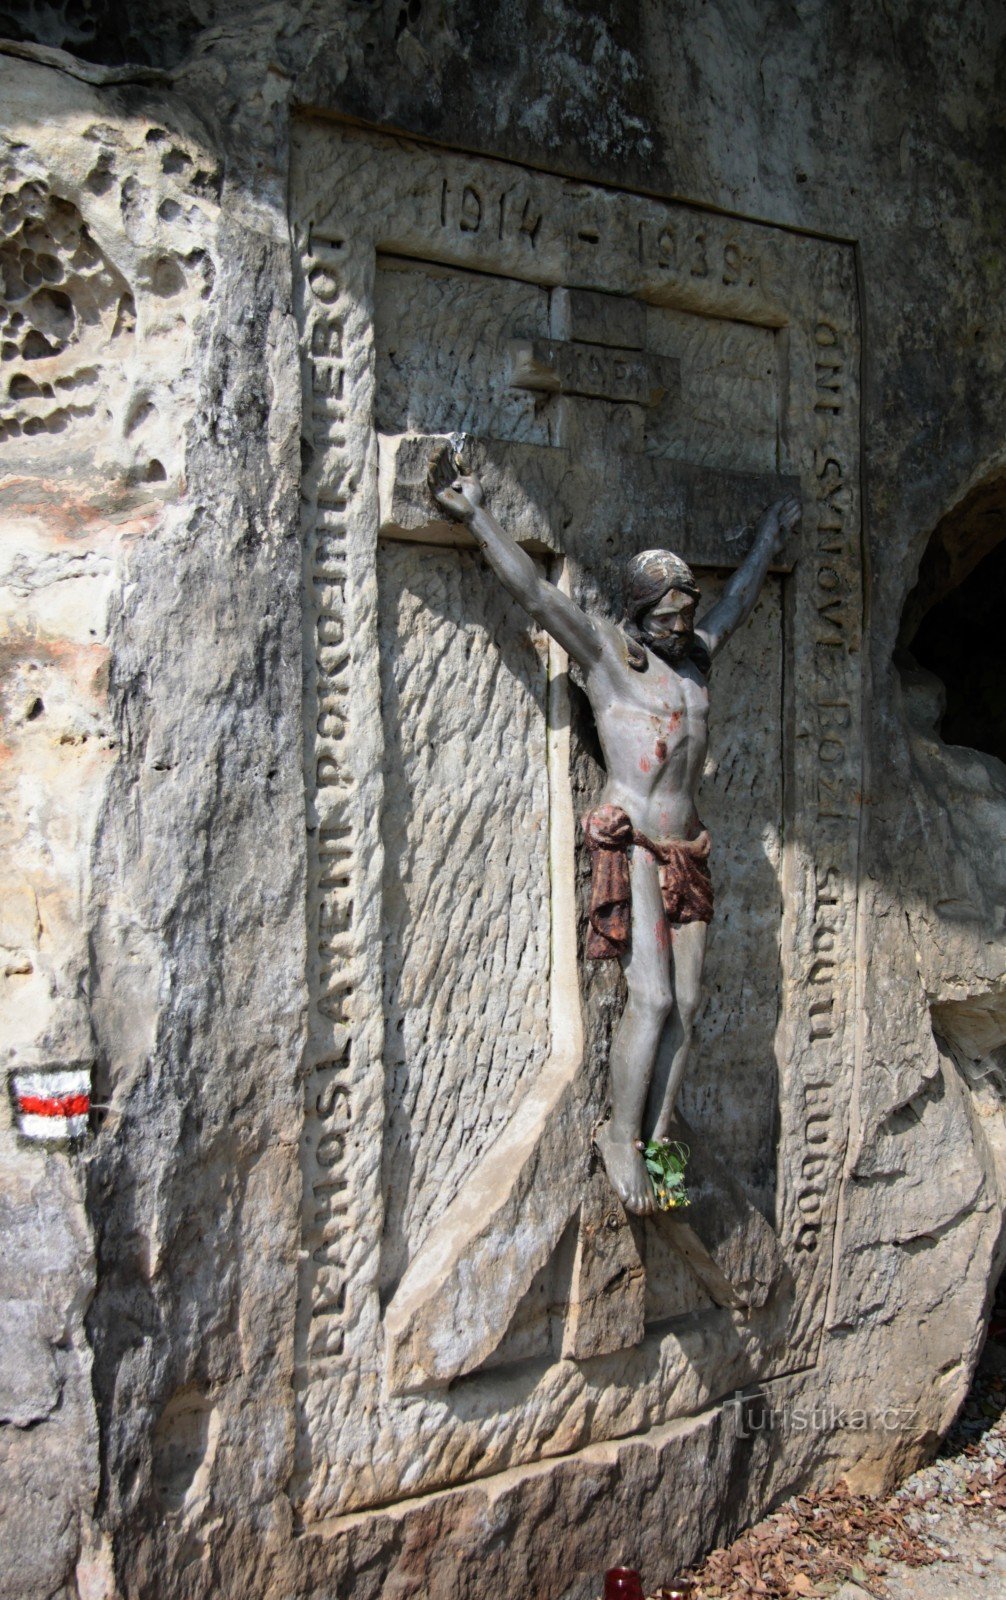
355 193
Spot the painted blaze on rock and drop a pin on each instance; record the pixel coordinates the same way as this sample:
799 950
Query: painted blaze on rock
657 396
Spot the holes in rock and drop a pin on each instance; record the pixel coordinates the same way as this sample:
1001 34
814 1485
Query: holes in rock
56 421
35 346
58 294
166 277
46 245
129 199
207 184
952 623
83 378
100 178
21 387
175 160
52 312
50 268
155 472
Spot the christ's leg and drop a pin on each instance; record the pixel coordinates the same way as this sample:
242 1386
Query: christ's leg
688 946
636 1039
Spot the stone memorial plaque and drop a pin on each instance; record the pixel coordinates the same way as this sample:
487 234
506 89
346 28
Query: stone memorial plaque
631 373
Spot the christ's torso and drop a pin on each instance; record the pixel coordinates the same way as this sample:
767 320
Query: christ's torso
653 731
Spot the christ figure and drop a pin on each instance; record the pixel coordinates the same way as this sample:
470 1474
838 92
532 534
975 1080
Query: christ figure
647 681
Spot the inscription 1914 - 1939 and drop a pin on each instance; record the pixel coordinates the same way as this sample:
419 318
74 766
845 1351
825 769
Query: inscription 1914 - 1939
508 211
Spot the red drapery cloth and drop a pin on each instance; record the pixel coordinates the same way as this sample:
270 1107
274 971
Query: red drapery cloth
682 866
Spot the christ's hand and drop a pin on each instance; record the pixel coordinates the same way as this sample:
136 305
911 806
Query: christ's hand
789 512
458 493
780 519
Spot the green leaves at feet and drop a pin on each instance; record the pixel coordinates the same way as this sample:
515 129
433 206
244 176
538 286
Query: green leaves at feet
665 1163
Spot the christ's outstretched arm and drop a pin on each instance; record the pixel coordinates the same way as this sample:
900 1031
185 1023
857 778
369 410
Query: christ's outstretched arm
740 594
461 496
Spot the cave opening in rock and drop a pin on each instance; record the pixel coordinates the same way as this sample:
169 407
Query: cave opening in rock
954 622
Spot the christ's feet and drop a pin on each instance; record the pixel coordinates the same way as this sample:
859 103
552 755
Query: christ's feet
626 1169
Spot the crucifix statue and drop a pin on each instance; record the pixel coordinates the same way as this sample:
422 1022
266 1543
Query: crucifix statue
647 681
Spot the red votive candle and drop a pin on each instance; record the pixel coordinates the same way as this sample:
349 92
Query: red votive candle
622 1583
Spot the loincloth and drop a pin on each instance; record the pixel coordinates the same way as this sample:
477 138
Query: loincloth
682 866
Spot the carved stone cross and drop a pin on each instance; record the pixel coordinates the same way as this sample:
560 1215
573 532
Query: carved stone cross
590 496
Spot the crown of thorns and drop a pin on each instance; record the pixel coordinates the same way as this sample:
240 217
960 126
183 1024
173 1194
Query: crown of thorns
649 576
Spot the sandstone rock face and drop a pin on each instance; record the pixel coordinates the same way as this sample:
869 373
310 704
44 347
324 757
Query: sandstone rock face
311 1285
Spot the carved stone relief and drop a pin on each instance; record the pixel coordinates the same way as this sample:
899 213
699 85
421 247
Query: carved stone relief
632 373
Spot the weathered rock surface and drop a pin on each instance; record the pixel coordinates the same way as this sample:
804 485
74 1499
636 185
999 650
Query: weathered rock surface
329 1302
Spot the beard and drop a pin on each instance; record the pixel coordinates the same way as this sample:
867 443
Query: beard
670 651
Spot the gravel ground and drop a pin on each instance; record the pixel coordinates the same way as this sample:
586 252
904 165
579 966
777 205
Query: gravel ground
941 1535
959 1501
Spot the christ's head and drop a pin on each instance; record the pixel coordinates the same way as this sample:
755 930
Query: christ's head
660 598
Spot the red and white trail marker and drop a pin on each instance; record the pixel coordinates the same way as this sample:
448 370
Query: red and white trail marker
53 1105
